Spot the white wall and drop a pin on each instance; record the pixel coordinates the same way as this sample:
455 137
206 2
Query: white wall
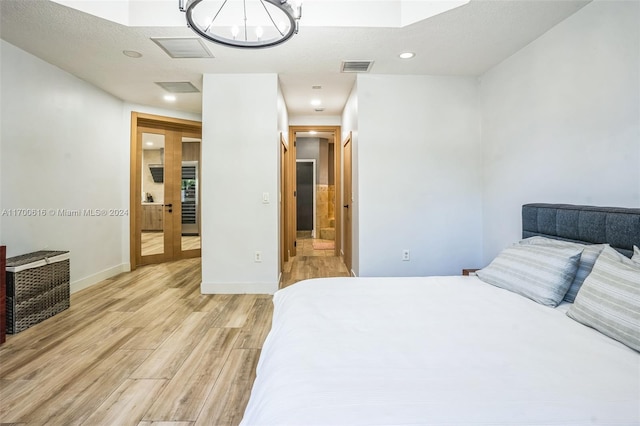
240 149
560 120
62 147
418 174
350 125
314 120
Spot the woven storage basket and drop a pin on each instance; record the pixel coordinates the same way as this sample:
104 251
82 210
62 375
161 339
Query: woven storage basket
37 288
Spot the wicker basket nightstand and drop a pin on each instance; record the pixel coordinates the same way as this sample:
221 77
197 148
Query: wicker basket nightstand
37 288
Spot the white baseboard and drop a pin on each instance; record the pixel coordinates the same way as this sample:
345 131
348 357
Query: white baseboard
100 276
238 288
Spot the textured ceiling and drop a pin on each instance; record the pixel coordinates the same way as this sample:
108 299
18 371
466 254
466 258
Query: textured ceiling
467 40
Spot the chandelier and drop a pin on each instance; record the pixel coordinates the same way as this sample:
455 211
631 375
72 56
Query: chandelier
249 24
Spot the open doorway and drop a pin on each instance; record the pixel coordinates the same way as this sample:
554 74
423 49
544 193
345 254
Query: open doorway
312 251
316 192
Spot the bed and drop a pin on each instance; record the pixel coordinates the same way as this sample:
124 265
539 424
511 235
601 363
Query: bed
466 350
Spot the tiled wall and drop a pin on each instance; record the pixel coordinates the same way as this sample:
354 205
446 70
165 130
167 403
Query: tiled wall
325 206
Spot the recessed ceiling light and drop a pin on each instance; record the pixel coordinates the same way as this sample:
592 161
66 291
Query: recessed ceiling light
149 143
407 55
132 53
169 98
316 102
313 132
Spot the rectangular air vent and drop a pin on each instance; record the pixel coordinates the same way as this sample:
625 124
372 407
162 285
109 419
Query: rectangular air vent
178 86
356 66
183 47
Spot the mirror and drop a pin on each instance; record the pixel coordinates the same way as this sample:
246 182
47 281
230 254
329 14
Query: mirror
152 230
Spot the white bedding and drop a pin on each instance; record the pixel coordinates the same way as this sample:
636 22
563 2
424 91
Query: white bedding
435 351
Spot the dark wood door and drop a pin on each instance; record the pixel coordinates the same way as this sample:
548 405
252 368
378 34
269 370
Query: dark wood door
304 179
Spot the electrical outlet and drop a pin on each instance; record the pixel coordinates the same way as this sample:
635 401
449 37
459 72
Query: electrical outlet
257 257
406 256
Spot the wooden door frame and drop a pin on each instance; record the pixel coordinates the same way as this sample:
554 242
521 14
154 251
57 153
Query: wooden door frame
290 207
283 202
348 254
142 120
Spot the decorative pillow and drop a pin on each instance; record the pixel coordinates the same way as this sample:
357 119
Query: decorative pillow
540 272
590 253
636 254
609 299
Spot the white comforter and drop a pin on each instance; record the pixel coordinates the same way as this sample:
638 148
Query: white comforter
435 351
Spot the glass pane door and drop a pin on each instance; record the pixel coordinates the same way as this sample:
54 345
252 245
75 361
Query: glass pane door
152 237
168 217
190 193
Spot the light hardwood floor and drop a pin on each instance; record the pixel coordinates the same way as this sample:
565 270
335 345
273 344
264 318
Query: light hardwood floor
144 348
141 348
312 263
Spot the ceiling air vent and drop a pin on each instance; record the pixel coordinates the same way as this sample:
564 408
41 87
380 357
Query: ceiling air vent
178 86
356 66
183 47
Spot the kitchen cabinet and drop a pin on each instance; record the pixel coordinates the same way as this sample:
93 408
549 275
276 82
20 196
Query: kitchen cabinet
152 217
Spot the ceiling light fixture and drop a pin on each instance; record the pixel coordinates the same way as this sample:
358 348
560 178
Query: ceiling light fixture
132 54
251 24
407 55
316 102
169 98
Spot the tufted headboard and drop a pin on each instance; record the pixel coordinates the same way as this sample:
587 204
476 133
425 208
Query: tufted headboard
620 227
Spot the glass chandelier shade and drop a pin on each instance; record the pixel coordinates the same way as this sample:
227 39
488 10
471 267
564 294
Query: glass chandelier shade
249 24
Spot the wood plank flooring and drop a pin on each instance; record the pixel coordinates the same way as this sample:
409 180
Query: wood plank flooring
144 348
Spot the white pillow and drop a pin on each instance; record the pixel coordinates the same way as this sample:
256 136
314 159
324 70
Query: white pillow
590 253
542 273
609 299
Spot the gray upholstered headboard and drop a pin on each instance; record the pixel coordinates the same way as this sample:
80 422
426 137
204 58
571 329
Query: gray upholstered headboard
620 227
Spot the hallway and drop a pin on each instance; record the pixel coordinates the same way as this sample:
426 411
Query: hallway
313 262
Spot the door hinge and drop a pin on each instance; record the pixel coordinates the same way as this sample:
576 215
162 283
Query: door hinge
294 143
295 193
295 243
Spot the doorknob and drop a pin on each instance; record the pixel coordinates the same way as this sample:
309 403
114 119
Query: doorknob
346 206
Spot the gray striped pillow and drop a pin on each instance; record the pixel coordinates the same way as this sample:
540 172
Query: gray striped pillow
590 253
609 299
540 272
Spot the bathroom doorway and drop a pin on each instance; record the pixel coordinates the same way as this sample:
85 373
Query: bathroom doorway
316 161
